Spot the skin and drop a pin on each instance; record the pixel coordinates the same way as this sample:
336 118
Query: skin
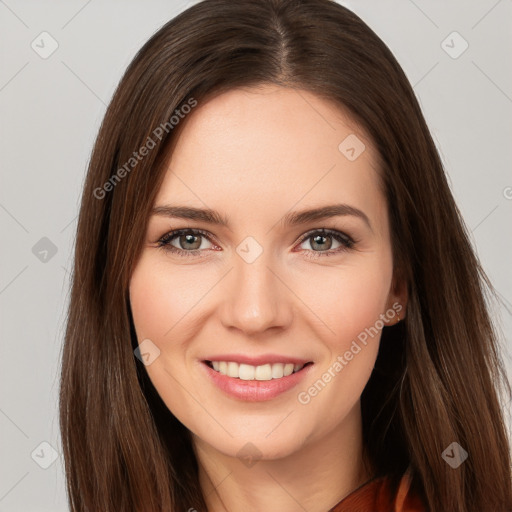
254 155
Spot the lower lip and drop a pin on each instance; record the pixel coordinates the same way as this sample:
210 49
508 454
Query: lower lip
255 390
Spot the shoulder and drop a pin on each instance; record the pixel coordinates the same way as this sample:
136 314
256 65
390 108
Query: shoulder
383 494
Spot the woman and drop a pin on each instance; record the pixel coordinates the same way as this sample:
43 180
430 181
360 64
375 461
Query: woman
275 304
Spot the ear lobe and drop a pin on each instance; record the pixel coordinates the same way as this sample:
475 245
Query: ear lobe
397 300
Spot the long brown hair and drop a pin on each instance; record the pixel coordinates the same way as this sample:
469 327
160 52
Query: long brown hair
438 376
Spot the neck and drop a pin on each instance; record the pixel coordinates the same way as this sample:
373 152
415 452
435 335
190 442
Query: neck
315 477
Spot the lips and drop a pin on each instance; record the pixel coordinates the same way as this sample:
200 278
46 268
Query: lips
255 378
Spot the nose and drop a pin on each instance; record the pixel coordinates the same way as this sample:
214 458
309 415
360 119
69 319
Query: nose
255 298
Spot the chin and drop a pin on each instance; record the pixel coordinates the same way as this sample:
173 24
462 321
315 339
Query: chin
250 447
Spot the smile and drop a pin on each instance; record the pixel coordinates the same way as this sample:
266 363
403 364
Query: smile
254 383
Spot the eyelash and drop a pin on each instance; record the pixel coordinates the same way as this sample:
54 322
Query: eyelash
346 242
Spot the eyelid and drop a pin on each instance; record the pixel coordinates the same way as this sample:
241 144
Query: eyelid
325 231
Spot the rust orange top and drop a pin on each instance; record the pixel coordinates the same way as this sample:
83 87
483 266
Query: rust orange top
377 496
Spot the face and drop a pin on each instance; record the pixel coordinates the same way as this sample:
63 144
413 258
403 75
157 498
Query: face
229 305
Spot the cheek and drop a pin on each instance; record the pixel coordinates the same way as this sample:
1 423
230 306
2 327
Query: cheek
148 301
349 302
160 299
347 299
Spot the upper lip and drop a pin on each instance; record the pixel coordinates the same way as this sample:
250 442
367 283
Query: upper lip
258 360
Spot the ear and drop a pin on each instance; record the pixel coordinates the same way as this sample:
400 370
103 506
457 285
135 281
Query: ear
396 304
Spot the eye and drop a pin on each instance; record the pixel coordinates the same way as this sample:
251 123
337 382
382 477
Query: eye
321 242
185 242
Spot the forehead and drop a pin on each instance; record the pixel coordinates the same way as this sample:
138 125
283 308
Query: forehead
272 144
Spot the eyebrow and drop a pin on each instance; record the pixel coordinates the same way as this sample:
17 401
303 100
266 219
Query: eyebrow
290 219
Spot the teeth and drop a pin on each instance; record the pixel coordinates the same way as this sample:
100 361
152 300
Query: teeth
263 372
249 372
243 371
232 370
